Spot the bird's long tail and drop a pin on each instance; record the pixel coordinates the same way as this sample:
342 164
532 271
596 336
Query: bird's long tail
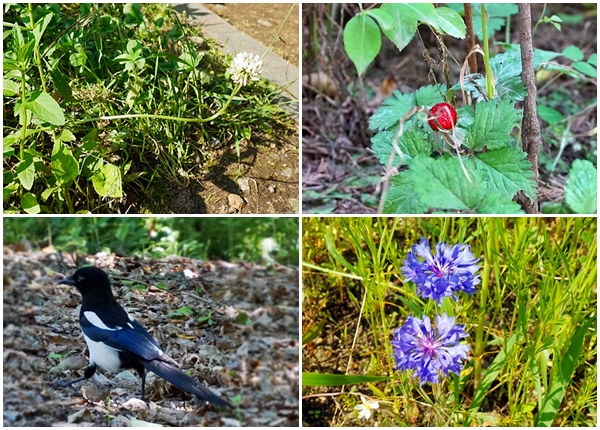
176 377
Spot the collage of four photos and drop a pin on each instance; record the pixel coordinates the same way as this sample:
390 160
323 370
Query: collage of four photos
300 214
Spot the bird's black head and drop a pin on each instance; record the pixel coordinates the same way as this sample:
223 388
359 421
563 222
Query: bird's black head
89 280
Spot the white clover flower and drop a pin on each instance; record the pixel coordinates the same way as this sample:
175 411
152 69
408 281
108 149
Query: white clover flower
364 410
244 68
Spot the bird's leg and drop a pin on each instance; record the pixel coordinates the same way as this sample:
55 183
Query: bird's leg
87 374
142 373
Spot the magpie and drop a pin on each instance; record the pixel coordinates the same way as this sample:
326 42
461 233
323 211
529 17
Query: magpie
116 341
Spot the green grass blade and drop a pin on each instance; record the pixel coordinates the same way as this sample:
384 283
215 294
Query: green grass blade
491 374
328 380
561 379
336 255
313 332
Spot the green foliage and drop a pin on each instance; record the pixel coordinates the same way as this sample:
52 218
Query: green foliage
487 177
98 95
581 190
201 238
362 34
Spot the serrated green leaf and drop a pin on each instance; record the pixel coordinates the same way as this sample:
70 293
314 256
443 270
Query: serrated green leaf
492 125
362 41
412 143
401 197
508 171
26 172
107 181
451 22
30 204
582 187
392 109
442 184
423 12
46 108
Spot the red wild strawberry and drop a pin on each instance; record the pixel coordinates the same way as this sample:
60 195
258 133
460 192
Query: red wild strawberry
442 114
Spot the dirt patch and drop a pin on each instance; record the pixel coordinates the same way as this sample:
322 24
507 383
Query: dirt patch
265 182
261 21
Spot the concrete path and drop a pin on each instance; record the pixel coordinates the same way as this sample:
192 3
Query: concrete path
276 69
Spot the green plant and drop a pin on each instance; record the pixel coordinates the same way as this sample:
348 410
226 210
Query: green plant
530 323
95 111
478 166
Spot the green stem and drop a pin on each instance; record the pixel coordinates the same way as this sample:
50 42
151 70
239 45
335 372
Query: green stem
485 281
167 117
489 81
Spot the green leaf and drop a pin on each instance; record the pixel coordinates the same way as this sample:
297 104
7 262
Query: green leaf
392 109
243 319
10 88
26 172
30 204
582 187
423 12
550 115
313 332
64 166
397 26
328 380
46 108
9 190
451 22
39 29
107 181
412 143
573 53
62 85
442 184
401 197
362 41
508 171
490 375
492 125
586 69
561 378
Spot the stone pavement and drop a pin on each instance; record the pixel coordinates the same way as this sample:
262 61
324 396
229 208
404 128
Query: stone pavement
276 69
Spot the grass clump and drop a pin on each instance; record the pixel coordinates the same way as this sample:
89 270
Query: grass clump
104 102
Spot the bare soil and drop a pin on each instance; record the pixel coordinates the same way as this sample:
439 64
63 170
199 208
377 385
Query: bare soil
261 21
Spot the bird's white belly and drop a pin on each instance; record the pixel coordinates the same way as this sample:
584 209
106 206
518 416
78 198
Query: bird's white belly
103 356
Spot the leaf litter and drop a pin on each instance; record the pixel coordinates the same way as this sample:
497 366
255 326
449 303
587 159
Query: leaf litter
233 325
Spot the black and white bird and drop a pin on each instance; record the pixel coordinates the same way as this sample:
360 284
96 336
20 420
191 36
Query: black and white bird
116 341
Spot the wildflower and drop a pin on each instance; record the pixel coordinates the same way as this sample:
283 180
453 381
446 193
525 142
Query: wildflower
452 269
244 68
364 410
418 347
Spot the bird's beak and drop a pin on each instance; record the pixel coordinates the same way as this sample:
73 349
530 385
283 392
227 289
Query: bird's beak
68 281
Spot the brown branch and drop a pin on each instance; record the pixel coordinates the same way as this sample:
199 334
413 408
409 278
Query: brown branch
530 135
470 37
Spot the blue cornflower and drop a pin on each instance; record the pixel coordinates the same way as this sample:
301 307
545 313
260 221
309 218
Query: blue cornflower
452 269
418 347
